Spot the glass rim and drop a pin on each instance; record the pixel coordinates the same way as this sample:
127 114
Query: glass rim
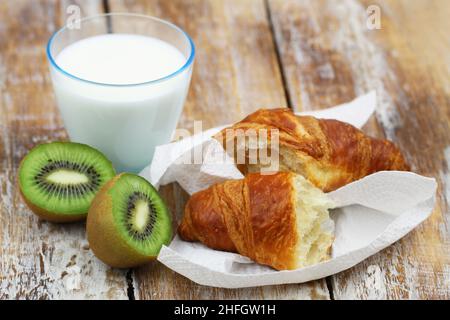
136 15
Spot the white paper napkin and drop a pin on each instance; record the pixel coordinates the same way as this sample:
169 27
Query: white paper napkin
373 212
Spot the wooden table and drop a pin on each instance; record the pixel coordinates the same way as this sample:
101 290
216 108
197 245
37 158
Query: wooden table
250 54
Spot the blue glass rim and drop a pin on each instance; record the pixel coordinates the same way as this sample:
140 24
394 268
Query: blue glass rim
169 76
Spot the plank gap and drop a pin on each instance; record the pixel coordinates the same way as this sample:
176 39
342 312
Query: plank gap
130 283
278 55
329 287
106 8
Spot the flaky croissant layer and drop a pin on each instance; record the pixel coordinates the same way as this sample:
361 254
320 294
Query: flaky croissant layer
280 220
329 153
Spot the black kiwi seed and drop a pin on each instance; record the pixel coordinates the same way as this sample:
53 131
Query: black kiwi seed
131 204
61 190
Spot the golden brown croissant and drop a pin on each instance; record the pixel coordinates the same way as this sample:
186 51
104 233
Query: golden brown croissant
329 153
280 220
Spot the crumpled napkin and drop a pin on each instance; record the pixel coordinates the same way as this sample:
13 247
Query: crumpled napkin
371 214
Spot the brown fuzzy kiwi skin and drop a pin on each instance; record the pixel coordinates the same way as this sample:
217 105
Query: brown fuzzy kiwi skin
103 236
47 215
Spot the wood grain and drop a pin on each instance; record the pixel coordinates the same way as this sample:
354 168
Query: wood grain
39 260
235 73
329 56
326 56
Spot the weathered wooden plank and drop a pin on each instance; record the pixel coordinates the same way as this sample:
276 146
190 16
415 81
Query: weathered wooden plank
329 56
235 73
38 260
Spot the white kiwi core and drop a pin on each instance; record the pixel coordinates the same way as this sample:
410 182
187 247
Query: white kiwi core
67 177
140 215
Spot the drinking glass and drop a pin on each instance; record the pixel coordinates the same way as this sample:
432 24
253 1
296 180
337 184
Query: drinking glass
124 121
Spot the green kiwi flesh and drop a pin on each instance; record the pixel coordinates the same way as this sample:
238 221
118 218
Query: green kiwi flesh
141 215
58 180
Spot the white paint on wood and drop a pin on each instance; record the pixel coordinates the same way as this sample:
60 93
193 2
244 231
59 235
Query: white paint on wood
445 177
375 282
326 71
444 226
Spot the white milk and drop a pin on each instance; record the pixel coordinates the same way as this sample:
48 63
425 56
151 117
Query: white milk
124 122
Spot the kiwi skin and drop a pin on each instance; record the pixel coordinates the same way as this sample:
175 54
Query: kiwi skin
103 238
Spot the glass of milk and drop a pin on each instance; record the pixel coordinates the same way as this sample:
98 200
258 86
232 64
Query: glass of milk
120 82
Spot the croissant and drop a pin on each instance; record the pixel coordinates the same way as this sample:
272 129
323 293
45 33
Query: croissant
280 220
329 153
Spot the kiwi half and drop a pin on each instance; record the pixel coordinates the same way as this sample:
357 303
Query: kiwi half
58 180
128 222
